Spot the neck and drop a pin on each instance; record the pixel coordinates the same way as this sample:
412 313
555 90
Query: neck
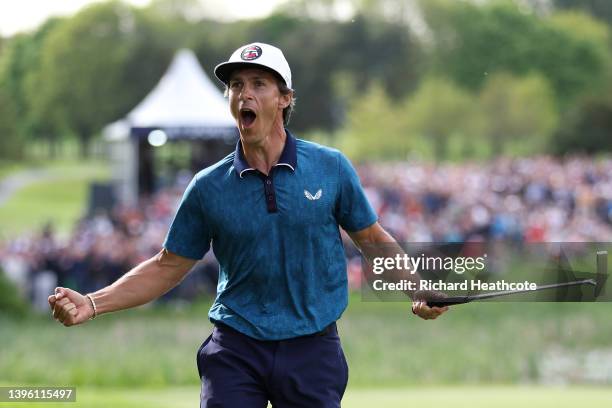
266 152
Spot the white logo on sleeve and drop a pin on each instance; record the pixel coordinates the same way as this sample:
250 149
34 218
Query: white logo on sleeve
313 197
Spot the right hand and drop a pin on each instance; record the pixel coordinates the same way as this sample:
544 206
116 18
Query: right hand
69 307
422 309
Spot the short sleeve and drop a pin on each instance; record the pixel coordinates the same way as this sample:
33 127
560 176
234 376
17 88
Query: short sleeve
353 210
190 233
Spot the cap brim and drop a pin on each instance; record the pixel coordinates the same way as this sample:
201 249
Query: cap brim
224 70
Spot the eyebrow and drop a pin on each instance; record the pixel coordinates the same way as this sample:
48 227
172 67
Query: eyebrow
250 78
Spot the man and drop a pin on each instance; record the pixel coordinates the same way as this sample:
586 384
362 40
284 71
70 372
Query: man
271 212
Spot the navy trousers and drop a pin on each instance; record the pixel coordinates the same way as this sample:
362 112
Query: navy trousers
238 371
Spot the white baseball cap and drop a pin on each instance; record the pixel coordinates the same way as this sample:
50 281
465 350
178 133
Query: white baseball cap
256 54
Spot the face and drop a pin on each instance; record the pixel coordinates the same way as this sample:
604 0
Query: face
256 103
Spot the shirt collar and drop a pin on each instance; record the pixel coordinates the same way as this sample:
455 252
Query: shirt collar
287 158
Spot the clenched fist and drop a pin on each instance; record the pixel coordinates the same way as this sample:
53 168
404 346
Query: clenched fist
70 307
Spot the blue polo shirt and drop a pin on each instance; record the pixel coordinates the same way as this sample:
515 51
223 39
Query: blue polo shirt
282 269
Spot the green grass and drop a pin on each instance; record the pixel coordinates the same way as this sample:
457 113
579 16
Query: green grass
61 198
9 167
473 343
385 345
456 397
146 357
473 397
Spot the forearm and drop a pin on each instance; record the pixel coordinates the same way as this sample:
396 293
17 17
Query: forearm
375 242
144 283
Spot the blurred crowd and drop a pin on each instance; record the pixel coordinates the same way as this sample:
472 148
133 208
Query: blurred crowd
541 199
99 250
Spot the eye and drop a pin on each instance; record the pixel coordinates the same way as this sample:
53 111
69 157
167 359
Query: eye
235 85
259 84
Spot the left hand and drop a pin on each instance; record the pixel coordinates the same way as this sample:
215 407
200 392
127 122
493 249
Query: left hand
421 309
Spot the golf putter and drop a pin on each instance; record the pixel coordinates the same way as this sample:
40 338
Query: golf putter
602 272
598 284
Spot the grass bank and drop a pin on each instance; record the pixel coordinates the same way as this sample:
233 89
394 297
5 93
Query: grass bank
386 346
457 397
59 197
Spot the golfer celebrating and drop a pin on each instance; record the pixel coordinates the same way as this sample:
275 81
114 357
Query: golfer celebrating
271 212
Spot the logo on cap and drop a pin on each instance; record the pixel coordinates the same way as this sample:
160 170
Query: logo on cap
250 53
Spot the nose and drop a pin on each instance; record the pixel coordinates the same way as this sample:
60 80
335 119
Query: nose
246 92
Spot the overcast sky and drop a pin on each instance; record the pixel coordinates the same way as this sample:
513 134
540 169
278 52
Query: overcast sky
21 15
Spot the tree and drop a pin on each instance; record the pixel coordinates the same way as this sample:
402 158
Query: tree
371 49
587 127
89 76
374 129
19 64
473 41
12 144
184 10
520 113
599 9
438 111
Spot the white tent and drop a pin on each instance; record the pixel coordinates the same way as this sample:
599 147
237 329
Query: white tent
185 104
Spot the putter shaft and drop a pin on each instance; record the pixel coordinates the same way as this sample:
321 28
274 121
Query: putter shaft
456 300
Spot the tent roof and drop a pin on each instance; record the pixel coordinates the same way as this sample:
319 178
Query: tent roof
184 97
185 103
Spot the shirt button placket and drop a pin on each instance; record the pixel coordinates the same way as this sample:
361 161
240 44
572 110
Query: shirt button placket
270 195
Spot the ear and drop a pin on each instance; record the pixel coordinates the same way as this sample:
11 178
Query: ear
285 100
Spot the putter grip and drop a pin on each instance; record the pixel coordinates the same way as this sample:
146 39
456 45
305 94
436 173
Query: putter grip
449 301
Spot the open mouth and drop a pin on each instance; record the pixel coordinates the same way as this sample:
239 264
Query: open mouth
247 117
